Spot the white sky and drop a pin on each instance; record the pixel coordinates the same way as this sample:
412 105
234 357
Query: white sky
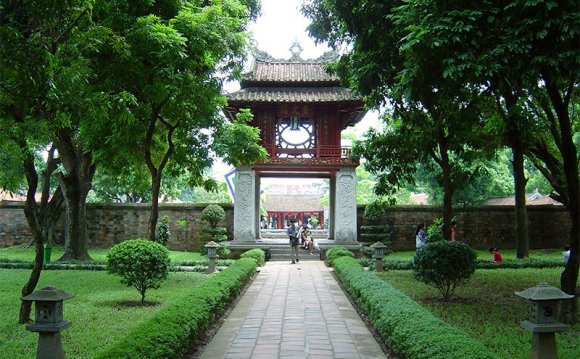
274 32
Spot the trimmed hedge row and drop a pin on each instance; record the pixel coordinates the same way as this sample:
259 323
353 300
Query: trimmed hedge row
169 333
401 264
408 328
256 254
191 267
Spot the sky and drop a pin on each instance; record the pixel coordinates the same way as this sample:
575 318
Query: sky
279 25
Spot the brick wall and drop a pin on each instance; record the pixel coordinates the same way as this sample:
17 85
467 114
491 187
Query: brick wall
109 224
481 227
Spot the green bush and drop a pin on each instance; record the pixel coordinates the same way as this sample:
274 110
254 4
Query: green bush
435 232
444 265
163 232
213 214
141 264
256 254
375 211
408 329
171 331
337 252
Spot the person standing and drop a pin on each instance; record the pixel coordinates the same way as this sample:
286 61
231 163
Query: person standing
294 236
453 231
420 236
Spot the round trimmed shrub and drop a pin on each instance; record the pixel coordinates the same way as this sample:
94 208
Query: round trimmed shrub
213 214
444 265
336 252
141 264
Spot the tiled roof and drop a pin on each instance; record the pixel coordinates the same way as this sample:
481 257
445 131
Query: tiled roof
288 72
293 94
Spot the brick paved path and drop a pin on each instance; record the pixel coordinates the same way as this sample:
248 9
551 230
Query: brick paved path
293 311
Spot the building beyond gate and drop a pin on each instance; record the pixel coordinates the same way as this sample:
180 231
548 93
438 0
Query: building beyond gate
301 111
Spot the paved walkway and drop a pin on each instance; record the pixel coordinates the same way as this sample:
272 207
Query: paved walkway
293 311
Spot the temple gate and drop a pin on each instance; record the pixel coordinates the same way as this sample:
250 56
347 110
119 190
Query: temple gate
301 111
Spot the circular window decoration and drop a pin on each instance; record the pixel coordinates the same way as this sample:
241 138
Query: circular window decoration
295 132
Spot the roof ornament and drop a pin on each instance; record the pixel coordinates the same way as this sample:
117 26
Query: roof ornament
296 50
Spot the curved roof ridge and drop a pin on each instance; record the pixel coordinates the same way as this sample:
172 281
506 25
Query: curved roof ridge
263 56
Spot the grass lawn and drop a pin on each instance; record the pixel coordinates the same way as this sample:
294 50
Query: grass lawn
97 314
487 309
98 255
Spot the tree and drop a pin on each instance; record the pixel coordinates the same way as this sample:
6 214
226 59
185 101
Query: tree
43 89
526 55
171 67
435 118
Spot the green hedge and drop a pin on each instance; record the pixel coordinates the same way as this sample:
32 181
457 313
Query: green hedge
185 266
170 332
402 264
256 254
408 328
336 252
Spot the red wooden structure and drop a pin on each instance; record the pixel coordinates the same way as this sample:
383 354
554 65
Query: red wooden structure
301 111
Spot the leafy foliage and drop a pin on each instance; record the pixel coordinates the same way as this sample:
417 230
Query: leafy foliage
257 254
434 232
141 264
336 252
163 232
213 214
444 265
398 319
169 333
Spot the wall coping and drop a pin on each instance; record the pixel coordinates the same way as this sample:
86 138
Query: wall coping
140 206
494 208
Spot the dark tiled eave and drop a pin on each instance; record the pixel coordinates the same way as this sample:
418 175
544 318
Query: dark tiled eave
293 94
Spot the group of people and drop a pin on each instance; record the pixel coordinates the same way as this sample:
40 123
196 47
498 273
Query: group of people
421 240
300 237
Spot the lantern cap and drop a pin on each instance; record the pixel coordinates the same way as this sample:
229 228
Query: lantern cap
543 291
379 245
212 244
48 294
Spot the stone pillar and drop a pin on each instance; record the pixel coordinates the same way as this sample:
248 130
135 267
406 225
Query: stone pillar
345 205
245 211
257 207
331 202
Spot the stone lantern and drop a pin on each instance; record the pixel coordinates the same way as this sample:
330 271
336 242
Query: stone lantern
379 248
543 321
48 321
211 255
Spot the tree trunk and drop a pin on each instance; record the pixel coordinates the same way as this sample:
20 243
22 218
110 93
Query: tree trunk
522 243
75 185
154 215
75 246
569 278
40 220
447 193
513 123
30 211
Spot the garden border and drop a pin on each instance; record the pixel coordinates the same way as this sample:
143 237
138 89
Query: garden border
407 328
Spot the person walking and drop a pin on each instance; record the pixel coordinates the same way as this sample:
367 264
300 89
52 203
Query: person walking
294 236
